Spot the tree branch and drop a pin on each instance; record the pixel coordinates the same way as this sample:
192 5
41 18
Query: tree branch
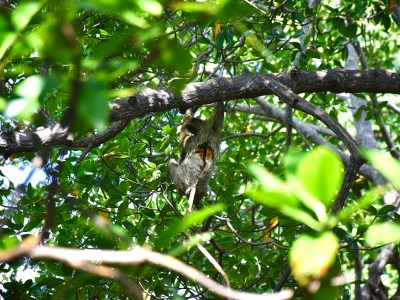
251 85
374 288
309 131
356 160
220 89
83 258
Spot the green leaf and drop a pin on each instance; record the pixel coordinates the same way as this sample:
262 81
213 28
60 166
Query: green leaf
93 105
150 6
387 208
122 208
220 41
188 221
363 203
387 166
317 179
24 12
6 40
173 57
311 257
27 103
275 193
384 233
229 34
313 53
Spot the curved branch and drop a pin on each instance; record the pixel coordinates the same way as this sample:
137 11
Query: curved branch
97 139
356 160
311 132
139 255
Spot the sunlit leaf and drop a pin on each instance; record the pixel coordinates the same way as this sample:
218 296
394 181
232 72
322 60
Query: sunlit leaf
134 19
181 225
384 233
27 103
387 166
278 190
150 6
275 193
24 12
196 7
6 40
317 180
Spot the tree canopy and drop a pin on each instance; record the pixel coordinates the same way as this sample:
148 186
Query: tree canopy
303 203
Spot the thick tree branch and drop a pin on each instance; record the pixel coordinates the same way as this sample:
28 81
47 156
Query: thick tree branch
16 142
247 85
251 85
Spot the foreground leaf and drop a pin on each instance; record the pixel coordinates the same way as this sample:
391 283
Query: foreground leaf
387 166
384 233
317 179
194 218
311 257
277 194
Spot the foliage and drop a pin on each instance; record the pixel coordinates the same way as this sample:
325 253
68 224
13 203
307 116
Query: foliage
59 55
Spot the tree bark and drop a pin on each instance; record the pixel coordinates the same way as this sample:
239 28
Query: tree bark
247 85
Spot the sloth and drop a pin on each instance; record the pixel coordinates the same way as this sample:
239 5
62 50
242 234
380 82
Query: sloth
199 146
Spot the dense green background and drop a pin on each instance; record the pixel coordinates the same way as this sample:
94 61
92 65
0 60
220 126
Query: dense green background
83 54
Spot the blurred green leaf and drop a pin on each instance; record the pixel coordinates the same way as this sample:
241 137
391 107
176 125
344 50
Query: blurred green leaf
27 103
55 40
275 193
188 221
6 40
311 257
387 166
384 233
134 19
8 241
93 105
150 6
279 192
197 7
24 12
172 57
317 180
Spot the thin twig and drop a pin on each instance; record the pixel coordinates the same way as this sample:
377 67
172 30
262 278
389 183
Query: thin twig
246 134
